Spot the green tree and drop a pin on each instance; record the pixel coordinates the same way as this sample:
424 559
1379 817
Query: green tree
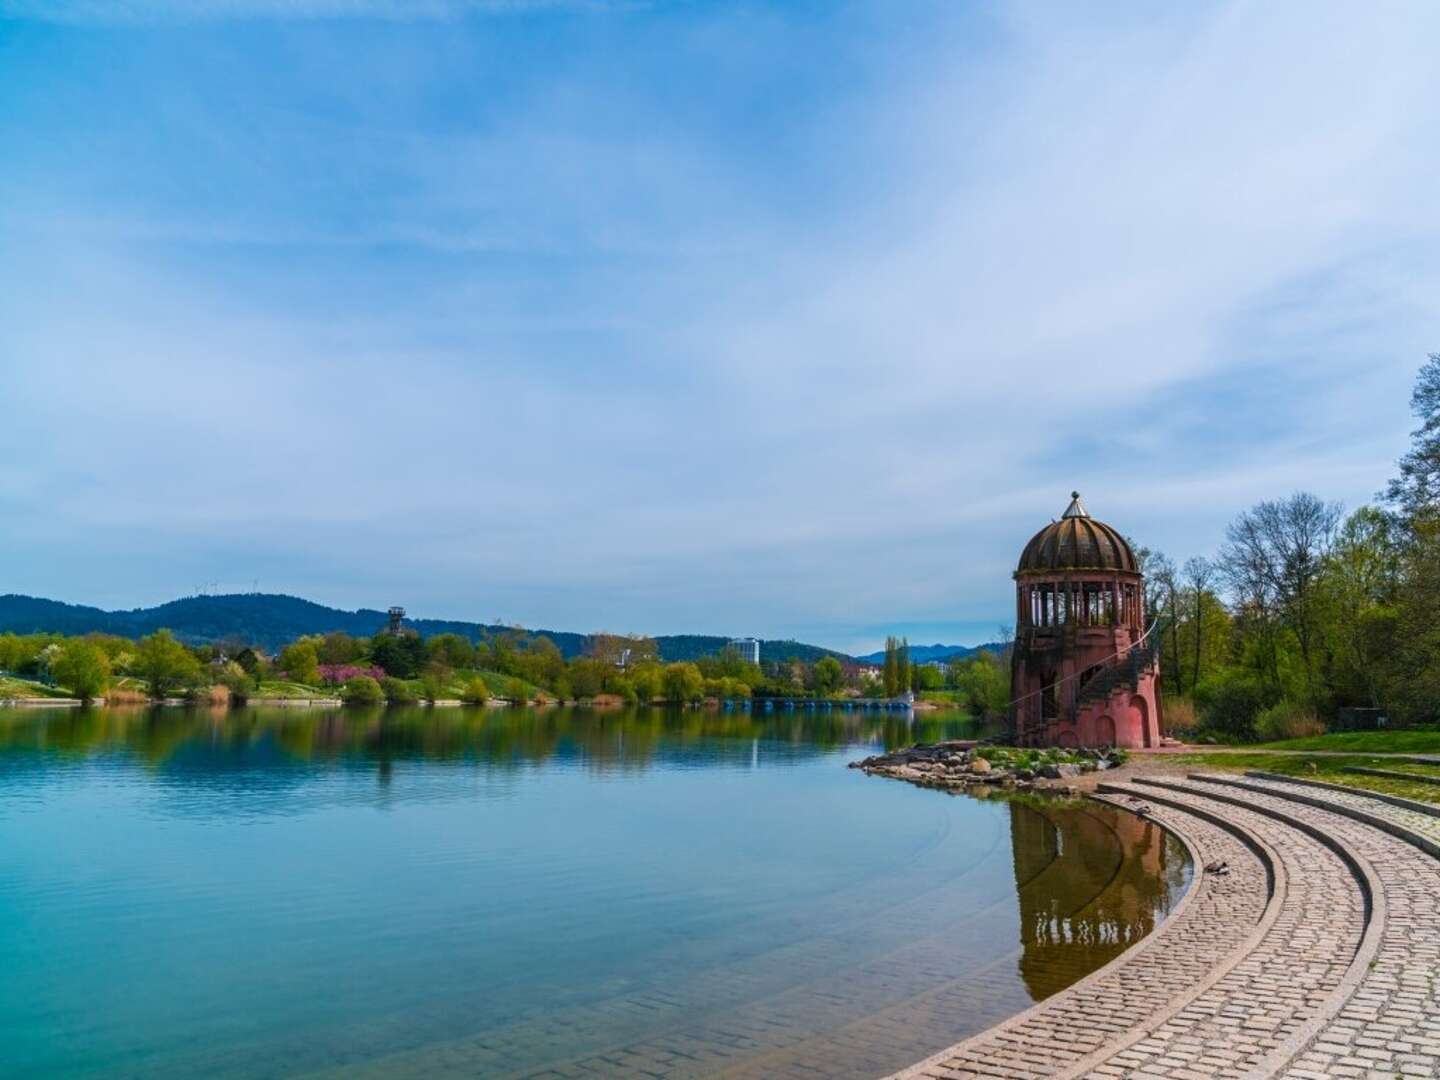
82 668
339 647
165 664
587 677
828 675
891 677
683 683
401 656
300 660
541 663
647 680
475 692
983 683
452 650
926 677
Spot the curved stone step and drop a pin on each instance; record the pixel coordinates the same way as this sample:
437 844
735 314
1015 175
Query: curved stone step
1390 1023
1271 1004
1415 822
1213 928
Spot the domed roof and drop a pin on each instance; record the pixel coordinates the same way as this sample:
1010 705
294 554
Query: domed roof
1077 542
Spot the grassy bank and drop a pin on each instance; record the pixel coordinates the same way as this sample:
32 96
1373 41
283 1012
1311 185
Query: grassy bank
11 687
1406 741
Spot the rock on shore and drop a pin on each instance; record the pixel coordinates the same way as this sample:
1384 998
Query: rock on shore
958 764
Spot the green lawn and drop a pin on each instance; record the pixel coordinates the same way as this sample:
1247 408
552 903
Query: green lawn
1328 769
1406 741
11 687
292 691
503 686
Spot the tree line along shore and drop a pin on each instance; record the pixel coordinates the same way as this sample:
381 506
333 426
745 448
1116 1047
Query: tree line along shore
510 666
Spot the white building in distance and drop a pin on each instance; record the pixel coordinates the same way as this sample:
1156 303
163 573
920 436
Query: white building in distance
747 647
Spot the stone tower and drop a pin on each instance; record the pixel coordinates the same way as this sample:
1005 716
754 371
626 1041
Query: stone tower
1085 670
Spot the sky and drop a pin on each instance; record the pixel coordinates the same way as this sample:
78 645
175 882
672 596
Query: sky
784 319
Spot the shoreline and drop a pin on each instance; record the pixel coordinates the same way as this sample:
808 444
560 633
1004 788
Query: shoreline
1293 883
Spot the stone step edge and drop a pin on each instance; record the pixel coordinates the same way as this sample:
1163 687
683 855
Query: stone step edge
1389 774
1384 824
1369 948
1428 809
916 1071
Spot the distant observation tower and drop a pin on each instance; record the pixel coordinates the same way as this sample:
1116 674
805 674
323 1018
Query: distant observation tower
1085 672
396 626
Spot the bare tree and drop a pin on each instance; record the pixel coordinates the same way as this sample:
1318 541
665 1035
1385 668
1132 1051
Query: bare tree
1199 574
1160 596
1273 556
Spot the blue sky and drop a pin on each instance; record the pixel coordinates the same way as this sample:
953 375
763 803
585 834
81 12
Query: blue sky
785 319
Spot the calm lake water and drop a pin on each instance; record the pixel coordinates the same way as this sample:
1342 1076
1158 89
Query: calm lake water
411 892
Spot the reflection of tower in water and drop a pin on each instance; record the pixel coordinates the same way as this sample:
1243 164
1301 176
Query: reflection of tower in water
1091 882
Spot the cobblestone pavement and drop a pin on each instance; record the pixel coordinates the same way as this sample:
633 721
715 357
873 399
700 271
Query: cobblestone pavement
1338 975
1290 978
1210 931
1390 1026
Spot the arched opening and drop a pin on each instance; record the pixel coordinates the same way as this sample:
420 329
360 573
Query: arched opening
1140 716
1067 739
1105 731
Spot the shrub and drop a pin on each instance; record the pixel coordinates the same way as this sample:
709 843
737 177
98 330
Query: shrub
435 683
398 691
340 674
208 695
1288 720
475 692
361 690
235 679
1181 719
1229 702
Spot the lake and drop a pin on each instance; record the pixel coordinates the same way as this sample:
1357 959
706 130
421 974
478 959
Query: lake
514 892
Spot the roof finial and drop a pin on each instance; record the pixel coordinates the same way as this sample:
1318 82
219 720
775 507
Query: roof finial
1076 508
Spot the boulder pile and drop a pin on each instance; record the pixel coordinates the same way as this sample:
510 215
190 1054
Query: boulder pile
958 765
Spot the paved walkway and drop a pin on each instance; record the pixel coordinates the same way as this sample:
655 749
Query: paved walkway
1316 955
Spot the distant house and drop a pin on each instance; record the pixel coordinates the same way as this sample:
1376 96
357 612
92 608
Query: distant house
747 647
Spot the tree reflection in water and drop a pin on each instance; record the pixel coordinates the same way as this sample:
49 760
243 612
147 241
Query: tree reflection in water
237 739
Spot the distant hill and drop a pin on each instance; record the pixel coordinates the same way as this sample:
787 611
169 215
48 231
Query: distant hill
924 654
270 620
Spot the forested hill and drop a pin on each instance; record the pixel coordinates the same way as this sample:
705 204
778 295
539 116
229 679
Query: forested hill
924 654
271 620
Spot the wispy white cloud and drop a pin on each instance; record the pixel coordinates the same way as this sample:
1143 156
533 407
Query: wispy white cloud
672 341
